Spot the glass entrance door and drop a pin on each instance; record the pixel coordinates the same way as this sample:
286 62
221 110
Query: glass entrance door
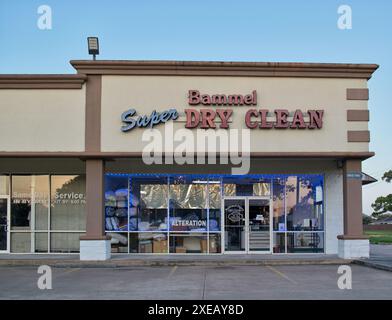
235 225
4 218
247 225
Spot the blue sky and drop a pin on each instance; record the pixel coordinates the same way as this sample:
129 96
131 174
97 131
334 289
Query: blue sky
293 31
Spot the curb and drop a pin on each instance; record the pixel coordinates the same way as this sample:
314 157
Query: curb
163 263
373 265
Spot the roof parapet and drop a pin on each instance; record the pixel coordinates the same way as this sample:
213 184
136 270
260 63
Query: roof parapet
216 68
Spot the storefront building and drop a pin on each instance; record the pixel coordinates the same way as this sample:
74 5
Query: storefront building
74 176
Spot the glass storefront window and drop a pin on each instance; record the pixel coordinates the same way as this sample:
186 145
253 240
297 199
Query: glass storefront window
30 202
215 243
215 202
151 219
20 242
279 244
194 220
188 243
304 196
42 203
68 202
153 205
188 193
155 213
116 203
305 242
4 185
148 242
152 243
246 186
148 203
235 186
41 242
261 188
153 194
279 219
65 242
119 242
188 204
214 221
183 212
214 194
229 189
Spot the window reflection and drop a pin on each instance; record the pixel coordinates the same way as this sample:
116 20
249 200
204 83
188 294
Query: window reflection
309 242
304 203
188 204
215 243
215 201
246 186
279 242
148 203
38 199
279 220
30 201
68 202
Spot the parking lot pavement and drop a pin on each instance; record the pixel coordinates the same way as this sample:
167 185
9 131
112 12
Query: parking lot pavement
380 257
381 251
196 283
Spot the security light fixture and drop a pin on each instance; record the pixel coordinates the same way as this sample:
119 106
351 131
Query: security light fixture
93 46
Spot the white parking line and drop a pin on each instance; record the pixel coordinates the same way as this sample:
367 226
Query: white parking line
66 272
281 274
172 271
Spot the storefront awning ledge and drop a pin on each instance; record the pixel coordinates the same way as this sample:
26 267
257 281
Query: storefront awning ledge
113 155
42 81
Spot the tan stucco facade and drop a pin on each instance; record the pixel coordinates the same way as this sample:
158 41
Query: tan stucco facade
146 93
42 120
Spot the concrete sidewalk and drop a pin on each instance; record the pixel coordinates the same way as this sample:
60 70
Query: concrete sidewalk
118 260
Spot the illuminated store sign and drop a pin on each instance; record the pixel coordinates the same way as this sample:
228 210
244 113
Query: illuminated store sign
146 121
208 118
195 98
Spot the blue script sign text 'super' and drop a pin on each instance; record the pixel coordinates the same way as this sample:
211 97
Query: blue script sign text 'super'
146 121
